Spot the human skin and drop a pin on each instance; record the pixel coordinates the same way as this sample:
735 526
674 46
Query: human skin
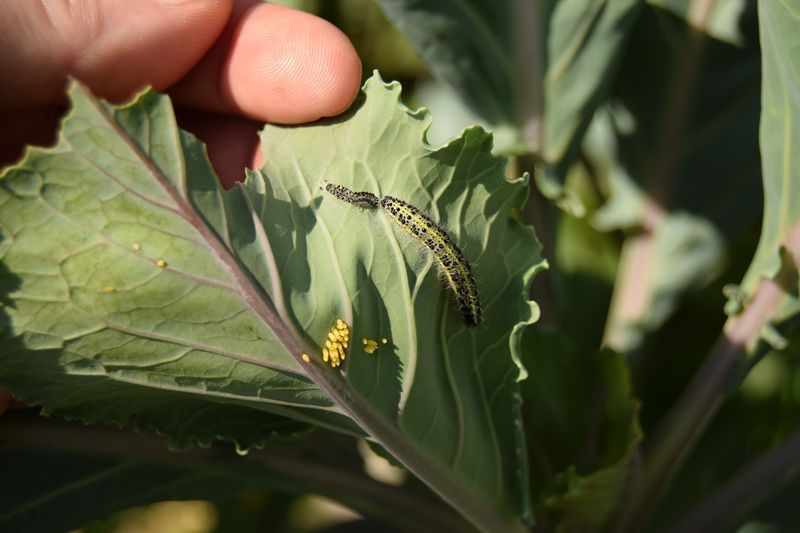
228 65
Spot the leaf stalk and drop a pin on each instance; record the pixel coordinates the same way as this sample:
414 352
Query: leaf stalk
295 464
697 405
744 492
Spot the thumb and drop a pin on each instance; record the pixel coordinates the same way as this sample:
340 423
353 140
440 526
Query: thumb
114 46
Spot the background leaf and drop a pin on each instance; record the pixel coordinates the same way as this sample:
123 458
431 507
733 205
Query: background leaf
581 418
687 164
541 70
780 115
469 46
58 467
585 39
582 428
753 311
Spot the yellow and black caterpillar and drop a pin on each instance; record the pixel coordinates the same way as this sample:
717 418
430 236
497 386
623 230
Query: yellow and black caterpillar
454 267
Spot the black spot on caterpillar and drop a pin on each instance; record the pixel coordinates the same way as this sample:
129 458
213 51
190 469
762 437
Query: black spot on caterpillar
455 268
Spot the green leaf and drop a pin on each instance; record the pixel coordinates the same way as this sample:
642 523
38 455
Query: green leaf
585 40
778 252
587 262
123 304
131 275
540 70
581 416
468 45
456 386
583 429
590 501
588 39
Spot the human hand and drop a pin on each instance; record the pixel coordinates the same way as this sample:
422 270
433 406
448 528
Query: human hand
229 66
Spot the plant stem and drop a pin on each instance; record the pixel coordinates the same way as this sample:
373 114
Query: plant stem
699 402
300 469
724 508
529 47
478 511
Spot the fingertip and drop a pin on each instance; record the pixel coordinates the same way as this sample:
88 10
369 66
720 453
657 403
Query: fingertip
291 67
